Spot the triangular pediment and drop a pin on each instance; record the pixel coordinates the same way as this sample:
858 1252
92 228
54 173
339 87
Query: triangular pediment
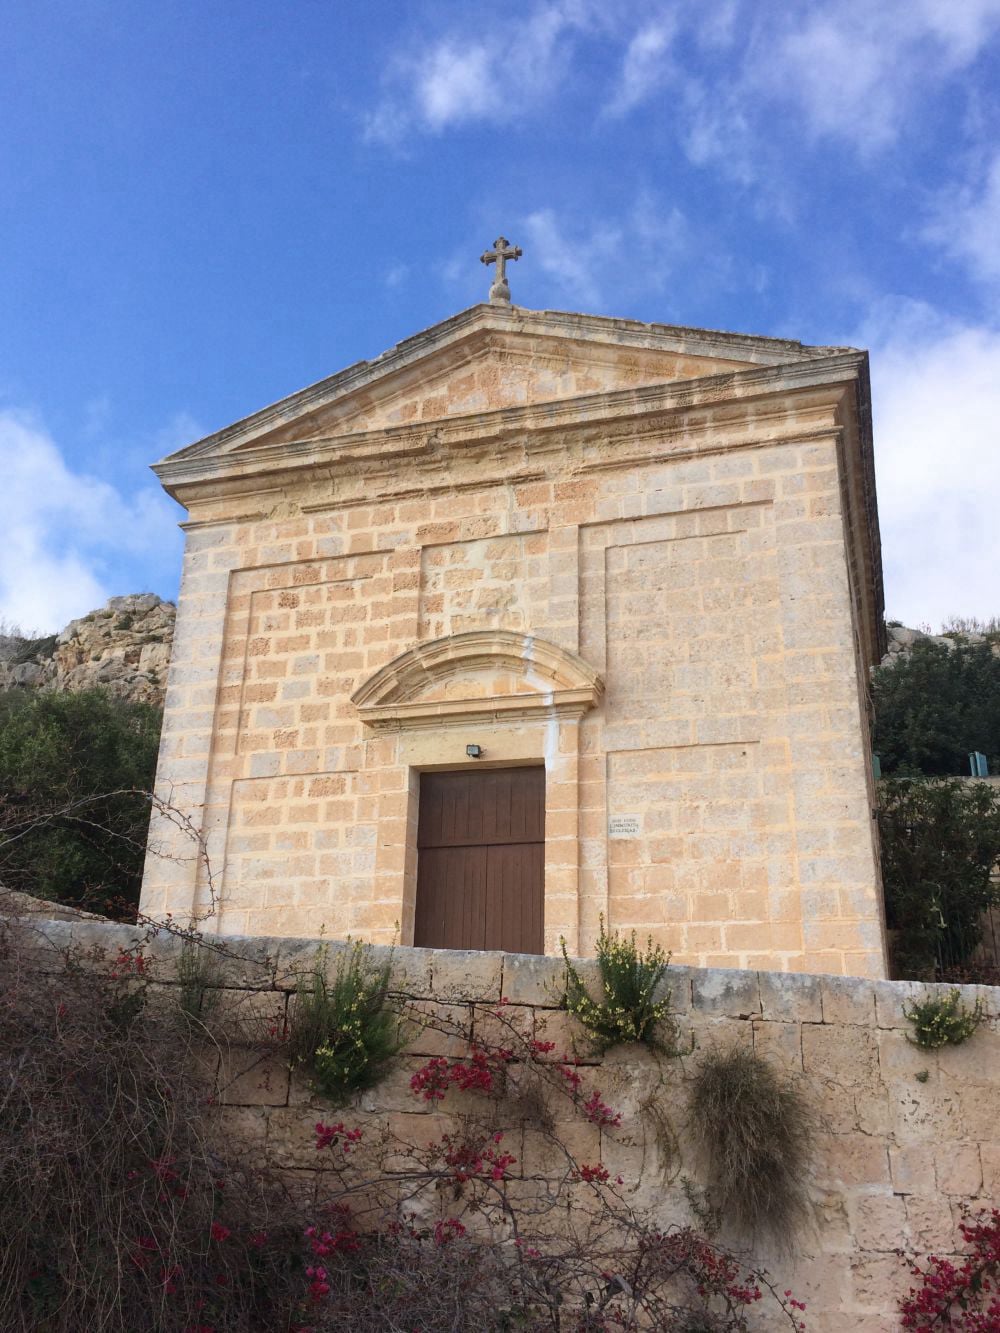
489 359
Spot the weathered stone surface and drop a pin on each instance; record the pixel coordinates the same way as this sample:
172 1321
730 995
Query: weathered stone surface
779 1043
25 907
790 996
411 973
246 1017
567 1032
959 1170
912 1168
528 979
252 1078
847 1056
878 1221
437 1029
123 647
845 1002
457 975
722 993
247 963
844 1161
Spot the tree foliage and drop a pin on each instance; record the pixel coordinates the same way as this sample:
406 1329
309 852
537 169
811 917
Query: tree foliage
73 815
935 705
940 847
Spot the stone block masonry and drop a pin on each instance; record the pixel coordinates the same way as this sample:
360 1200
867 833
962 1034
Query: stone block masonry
651 556
904 1138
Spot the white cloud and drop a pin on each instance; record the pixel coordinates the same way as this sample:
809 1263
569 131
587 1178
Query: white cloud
714 131
846 69
838 75
967 224
395 276
964 27
936 392
70 539
595 266
457 84
496 69
573 263
643 67
855 69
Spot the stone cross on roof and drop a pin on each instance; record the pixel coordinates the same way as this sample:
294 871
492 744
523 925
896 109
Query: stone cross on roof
501 252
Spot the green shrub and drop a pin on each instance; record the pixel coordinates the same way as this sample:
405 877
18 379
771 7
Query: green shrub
754 1133
74 814
345 1032
936 704
940 843
627 1010
942 1020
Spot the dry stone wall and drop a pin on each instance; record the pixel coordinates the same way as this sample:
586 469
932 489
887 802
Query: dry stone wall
905 1138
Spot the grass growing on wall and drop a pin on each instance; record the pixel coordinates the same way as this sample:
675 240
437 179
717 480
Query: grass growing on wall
754 1132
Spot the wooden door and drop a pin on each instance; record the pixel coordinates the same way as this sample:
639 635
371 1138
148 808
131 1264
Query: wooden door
481 860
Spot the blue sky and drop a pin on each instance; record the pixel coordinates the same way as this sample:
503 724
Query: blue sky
205 206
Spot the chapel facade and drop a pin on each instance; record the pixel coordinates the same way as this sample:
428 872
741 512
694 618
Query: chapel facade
537 619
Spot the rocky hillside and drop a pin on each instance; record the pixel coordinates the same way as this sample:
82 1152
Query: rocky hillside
901 640
124 648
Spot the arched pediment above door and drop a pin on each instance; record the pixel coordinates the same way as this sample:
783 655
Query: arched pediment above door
478 675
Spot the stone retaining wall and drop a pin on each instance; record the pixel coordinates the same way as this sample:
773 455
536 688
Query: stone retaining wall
897 1155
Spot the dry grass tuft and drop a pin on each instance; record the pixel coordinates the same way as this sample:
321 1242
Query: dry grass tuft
754 1132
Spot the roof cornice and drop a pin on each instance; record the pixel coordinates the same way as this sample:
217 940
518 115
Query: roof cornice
337 452
488 319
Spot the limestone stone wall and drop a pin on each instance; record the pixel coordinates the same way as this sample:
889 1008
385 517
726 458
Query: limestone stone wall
730 727
702 551
904 1139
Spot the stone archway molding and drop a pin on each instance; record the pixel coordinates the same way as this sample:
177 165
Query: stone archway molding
561 683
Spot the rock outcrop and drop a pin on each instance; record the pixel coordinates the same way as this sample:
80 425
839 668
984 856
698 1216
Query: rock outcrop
124 648
901 640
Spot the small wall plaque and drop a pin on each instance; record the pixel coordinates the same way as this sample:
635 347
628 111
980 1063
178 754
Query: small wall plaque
624 826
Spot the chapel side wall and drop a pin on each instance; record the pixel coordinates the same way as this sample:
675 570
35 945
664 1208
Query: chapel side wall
175 859
829 764
904 1138
711 593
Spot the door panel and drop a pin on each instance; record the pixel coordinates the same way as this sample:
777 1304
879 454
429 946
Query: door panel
451 898
513 909
481 860
495 805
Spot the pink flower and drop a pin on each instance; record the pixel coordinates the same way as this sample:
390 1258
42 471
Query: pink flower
219 1232
599 1113
448 1230
328 1136
593 1175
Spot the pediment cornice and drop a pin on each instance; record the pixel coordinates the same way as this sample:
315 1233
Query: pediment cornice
508 335
618 409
